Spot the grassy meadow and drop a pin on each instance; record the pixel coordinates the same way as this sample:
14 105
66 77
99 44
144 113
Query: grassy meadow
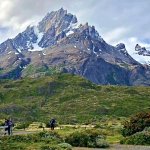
71 100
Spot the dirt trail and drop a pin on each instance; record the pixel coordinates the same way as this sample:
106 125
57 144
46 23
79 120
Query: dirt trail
117 147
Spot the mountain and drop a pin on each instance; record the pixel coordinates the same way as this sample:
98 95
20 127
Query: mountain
59 44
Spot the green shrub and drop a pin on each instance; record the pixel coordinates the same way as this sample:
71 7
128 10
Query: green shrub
11 146
101 143
97 126
147 129
53 147
2 122
87 138
61 146
136 123
21 138
50 134
65 146
78 139
47 125
139 138
50 137
21 142
46 137
42 125
22 125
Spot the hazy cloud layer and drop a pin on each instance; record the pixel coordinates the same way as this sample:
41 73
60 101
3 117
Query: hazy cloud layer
116 20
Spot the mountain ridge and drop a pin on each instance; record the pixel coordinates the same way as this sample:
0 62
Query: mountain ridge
59 43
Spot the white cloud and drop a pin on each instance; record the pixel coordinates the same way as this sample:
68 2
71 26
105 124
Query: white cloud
115 35
5 7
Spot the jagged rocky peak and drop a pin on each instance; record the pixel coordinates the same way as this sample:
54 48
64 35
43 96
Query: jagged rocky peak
122 48
24 40
89 32
142 50
53 27
139 48
60 20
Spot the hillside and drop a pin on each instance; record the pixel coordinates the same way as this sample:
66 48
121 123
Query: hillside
69 98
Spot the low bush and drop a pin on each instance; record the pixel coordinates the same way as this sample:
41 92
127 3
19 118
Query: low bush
101 143
22 125
61 146
50 137
11 146
139 138
52 147
147 129
65 146
50 140
137 123
20 138
2 123
87 138
46 137
42 125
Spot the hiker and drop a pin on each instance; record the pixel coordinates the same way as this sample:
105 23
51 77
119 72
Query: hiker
11 125
52 124
8 126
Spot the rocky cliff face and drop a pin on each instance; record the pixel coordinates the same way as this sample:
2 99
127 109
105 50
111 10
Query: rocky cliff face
59 44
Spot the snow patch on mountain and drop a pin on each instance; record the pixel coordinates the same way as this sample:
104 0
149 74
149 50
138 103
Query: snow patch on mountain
44 54
10 52
35 46
141 59
38 34
69 32
71 28
19 49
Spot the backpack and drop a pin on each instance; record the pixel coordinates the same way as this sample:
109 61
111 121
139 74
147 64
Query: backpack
10 123
52 121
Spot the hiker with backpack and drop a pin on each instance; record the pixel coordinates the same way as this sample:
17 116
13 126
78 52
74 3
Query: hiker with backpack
8 126
52 124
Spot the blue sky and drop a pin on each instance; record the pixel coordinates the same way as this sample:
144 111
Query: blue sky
117 21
